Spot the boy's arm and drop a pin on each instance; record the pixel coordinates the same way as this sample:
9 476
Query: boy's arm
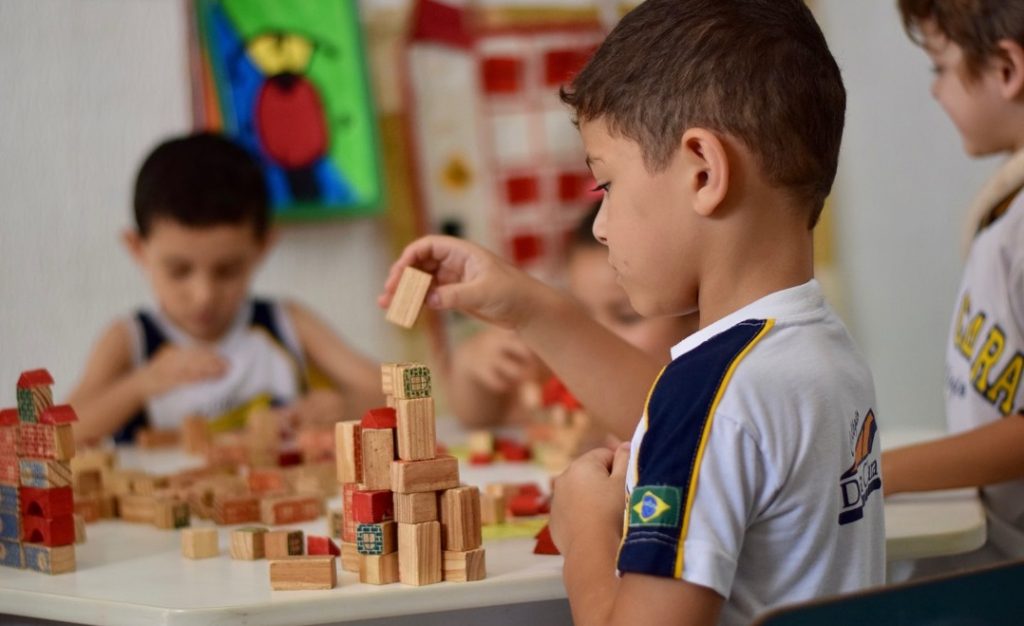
357 376
590 542
978 457
607 374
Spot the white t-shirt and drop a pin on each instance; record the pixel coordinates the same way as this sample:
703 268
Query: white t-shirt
758 456
985 354
264 365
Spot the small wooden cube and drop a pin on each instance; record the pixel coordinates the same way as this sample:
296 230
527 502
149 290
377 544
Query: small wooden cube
415 508
281 543
170 513
376 538
406 380
348 443
465 566
45 474
480 441
335 519
416 434
460 519
419 553
430 475
247 544
371 507
303 572
290 509
492 509
199 543
318 546
350 557
235 509
11 554
378 569
349 524
378 453
408 298
49 560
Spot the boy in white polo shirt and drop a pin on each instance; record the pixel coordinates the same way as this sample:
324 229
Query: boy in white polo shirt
713 127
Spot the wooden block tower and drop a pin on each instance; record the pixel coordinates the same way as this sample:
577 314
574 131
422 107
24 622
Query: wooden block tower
44 446
404 511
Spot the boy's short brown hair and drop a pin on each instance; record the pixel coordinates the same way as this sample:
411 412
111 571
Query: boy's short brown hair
757 70
974 25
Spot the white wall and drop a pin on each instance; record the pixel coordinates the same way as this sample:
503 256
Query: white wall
87 87
904 185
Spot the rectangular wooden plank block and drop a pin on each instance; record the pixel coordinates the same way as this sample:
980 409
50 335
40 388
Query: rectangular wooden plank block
281 543
415 508
465 566
290 509
419 553
348 444
378 453
350 557
460 519
378 569
376 538
247 544
408 298
416 429
303 573
429 475
199 543
44 474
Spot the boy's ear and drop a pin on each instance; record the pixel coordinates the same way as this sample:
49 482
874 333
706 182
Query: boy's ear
1011 67
134 243
707 169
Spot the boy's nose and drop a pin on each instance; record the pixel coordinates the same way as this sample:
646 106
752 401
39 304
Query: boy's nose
599 229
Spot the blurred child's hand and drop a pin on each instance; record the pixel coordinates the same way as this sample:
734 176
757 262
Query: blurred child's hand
497 360
467 278
174 366
595 483
320 407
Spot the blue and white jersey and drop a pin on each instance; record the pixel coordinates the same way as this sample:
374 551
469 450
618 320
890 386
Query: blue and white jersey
755 469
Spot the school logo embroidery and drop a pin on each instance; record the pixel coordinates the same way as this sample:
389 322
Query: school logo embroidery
862 479
655 506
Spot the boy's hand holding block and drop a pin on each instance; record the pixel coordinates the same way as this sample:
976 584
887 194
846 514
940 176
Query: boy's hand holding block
408 299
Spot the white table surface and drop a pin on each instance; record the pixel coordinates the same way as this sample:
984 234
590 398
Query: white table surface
132 574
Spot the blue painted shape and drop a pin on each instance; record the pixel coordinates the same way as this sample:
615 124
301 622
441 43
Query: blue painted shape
8 499
10 526
11 554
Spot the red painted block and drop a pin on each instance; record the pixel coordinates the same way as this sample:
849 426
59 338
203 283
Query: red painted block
48 503
290 510
287 458
349 524
525 505
267 480
545 545
34 378
236 509
8 440
383 417
316 545
371 507
49 531
512 450
10 470
481 458
9 417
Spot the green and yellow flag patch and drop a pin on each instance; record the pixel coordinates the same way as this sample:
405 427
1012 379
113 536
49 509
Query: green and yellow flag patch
657 505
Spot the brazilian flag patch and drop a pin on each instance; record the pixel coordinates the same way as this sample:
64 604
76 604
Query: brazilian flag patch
657 505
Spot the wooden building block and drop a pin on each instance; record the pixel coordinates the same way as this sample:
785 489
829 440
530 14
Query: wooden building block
199 543
45 474
465 566
88 507
49 531
348 442
11 554
320 545
381 417
378 453
46 441
492 509
34 394
79 528
49 560
545 544
415 508
419 553
171 513
10 526
86 481
247 544
267 480
430 475
370 507
460 519
236 509
378 569
281 543
108 506
350 557
376 538
152 438
290 509
46 502
136 508
303 572
416 435
8 498
480 441
195 434
10 471
408 298
349 524
335 519
406 380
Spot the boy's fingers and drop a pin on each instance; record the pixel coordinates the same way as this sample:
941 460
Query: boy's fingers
621 461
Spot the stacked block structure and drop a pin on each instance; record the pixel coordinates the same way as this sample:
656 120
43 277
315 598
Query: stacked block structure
37 523
404 517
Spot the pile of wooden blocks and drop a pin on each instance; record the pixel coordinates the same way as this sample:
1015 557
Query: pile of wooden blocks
405 518
37 522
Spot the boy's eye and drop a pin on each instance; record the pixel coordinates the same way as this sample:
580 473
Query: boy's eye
179 271
603 188
228 271
937 70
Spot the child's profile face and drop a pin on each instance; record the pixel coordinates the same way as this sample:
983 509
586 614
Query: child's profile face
647 223
200 275
974 105
592 282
